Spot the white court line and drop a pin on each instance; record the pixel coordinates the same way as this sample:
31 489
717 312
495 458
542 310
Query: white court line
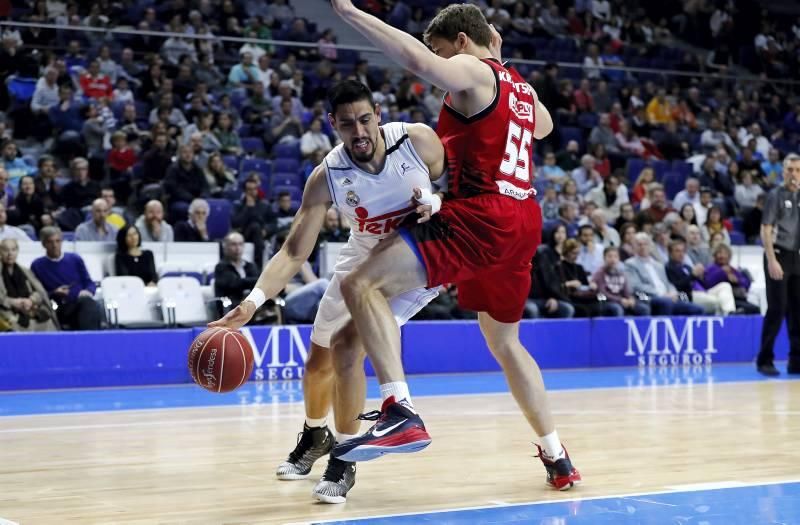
548 502
7 522
708 486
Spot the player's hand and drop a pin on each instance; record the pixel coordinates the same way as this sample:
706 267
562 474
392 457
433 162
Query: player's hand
496 44
425 211
775 269
343 7
236 318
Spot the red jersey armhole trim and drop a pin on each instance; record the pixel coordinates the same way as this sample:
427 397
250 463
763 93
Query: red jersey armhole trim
482 113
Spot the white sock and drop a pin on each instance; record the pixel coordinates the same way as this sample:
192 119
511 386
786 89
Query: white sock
398 389
552 445
343 437
315 423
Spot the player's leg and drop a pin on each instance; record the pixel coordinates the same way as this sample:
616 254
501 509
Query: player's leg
392 268
315 440
350 389
527 386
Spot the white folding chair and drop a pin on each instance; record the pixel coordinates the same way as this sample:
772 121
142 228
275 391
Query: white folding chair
127 303
182 301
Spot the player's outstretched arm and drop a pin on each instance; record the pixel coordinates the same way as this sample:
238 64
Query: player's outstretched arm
294 252
456 74
431 151
544 122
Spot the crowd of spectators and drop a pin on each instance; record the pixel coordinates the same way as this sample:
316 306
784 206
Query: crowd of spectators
119 136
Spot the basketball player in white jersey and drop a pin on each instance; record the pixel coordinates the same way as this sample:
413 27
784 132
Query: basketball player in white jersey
372 178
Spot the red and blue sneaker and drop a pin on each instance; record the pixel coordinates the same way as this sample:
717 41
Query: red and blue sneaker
561 475
397 429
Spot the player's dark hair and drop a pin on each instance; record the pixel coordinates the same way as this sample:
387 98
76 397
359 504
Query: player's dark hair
348 92
459 18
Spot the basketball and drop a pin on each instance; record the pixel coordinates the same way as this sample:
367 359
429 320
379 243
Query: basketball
220 360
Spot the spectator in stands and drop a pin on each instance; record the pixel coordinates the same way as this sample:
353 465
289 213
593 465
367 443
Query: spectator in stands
584 101
590 256
14 165
196 228
612 283
689 280
151 225
649 278
94 83
592 62
627 214
575 282
604 235
253 217
552 172
184 182
244 74
602 163
550 204
659 109
233 276
672 144
130 259
315 140
117 215
67 281
751 225
721 271
284 126
46 186
746 192
586 177
156 161
28 205
332 230
628 141
690 195
220 178
640 188
696 247
715 136
10 232
773 168
547 298
45 97
6 191
166 108
24 304
715 224
569 159
77 194
97 228
627 233
659 207
609 197
603 134
227 137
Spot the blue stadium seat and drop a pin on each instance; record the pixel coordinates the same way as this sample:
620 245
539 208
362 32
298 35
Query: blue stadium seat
219 218
738 223
673 182
660 167
737 238
193 275
231 162
634 168
287 179
263 167
21 88
568 133
252 145
588 120
244 130
68 236
682 167
286 165
287 150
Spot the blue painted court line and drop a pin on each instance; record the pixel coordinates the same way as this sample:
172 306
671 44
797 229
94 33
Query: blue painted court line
189 395
763 504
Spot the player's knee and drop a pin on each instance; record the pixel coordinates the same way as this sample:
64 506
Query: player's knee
319 365
504 349
354 286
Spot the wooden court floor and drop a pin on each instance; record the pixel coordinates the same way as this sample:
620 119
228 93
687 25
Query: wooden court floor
215 465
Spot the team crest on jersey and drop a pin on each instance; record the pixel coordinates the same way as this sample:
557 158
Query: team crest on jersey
523 110
352 199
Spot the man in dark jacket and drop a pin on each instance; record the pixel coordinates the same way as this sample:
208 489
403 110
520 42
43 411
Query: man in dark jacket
254 218
233 276
185 181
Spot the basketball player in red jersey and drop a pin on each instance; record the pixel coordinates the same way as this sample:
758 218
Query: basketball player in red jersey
482 239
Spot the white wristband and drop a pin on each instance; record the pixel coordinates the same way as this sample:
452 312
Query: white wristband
431 199
257 297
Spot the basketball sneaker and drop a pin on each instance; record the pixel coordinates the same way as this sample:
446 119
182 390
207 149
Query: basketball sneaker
339 478
561 475
312 444
397 429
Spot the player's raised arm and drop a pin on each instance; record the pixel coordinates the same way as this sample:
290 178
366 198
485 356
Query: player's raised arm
459 73
294 252
544 122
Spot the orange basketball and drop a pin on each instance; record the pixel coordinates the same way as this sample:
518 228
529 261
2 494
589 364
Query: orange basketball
220 360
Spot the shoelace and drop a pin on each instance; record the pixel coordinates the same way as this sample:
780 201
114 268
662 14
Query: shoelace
304 442
373 415
335 470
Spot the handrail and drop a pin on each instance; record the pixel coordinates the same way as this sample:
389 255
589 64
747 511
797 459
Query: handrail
366 49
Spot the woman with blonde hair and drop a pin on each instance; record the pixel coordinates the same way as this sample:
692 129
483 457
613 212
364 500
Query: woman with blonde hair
24 303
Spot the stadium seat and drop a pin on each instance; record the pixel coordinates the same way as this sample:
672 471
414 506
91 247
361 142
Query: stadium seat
263 167
673 183
287 150
660 167
21 88
252 145
219 218
231 162
683 168
634 168
287 179
286 165
95 255
182 302
294 191
737 238
126 304
568 133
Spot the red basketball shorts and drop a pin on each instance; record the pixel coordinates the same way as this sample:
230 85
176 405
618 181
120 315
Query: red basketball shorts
484 245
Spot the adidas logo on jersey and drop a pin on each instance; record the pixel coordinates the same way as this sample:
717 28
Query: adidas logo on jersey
347 182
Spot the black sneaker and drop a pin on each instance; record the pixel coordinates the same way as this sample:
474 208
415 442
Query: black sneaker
312 444
339 478
561 475
793 368
768 370
398 429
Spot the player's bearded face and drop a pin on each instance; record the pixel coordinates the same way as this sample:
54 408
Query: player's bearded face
357 125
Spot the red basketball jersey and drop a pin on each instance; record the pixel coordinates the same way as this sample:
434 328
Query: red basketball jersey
490 152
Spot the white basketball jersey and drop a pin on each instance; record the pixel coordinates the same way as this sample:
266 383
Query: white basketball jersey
376 204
